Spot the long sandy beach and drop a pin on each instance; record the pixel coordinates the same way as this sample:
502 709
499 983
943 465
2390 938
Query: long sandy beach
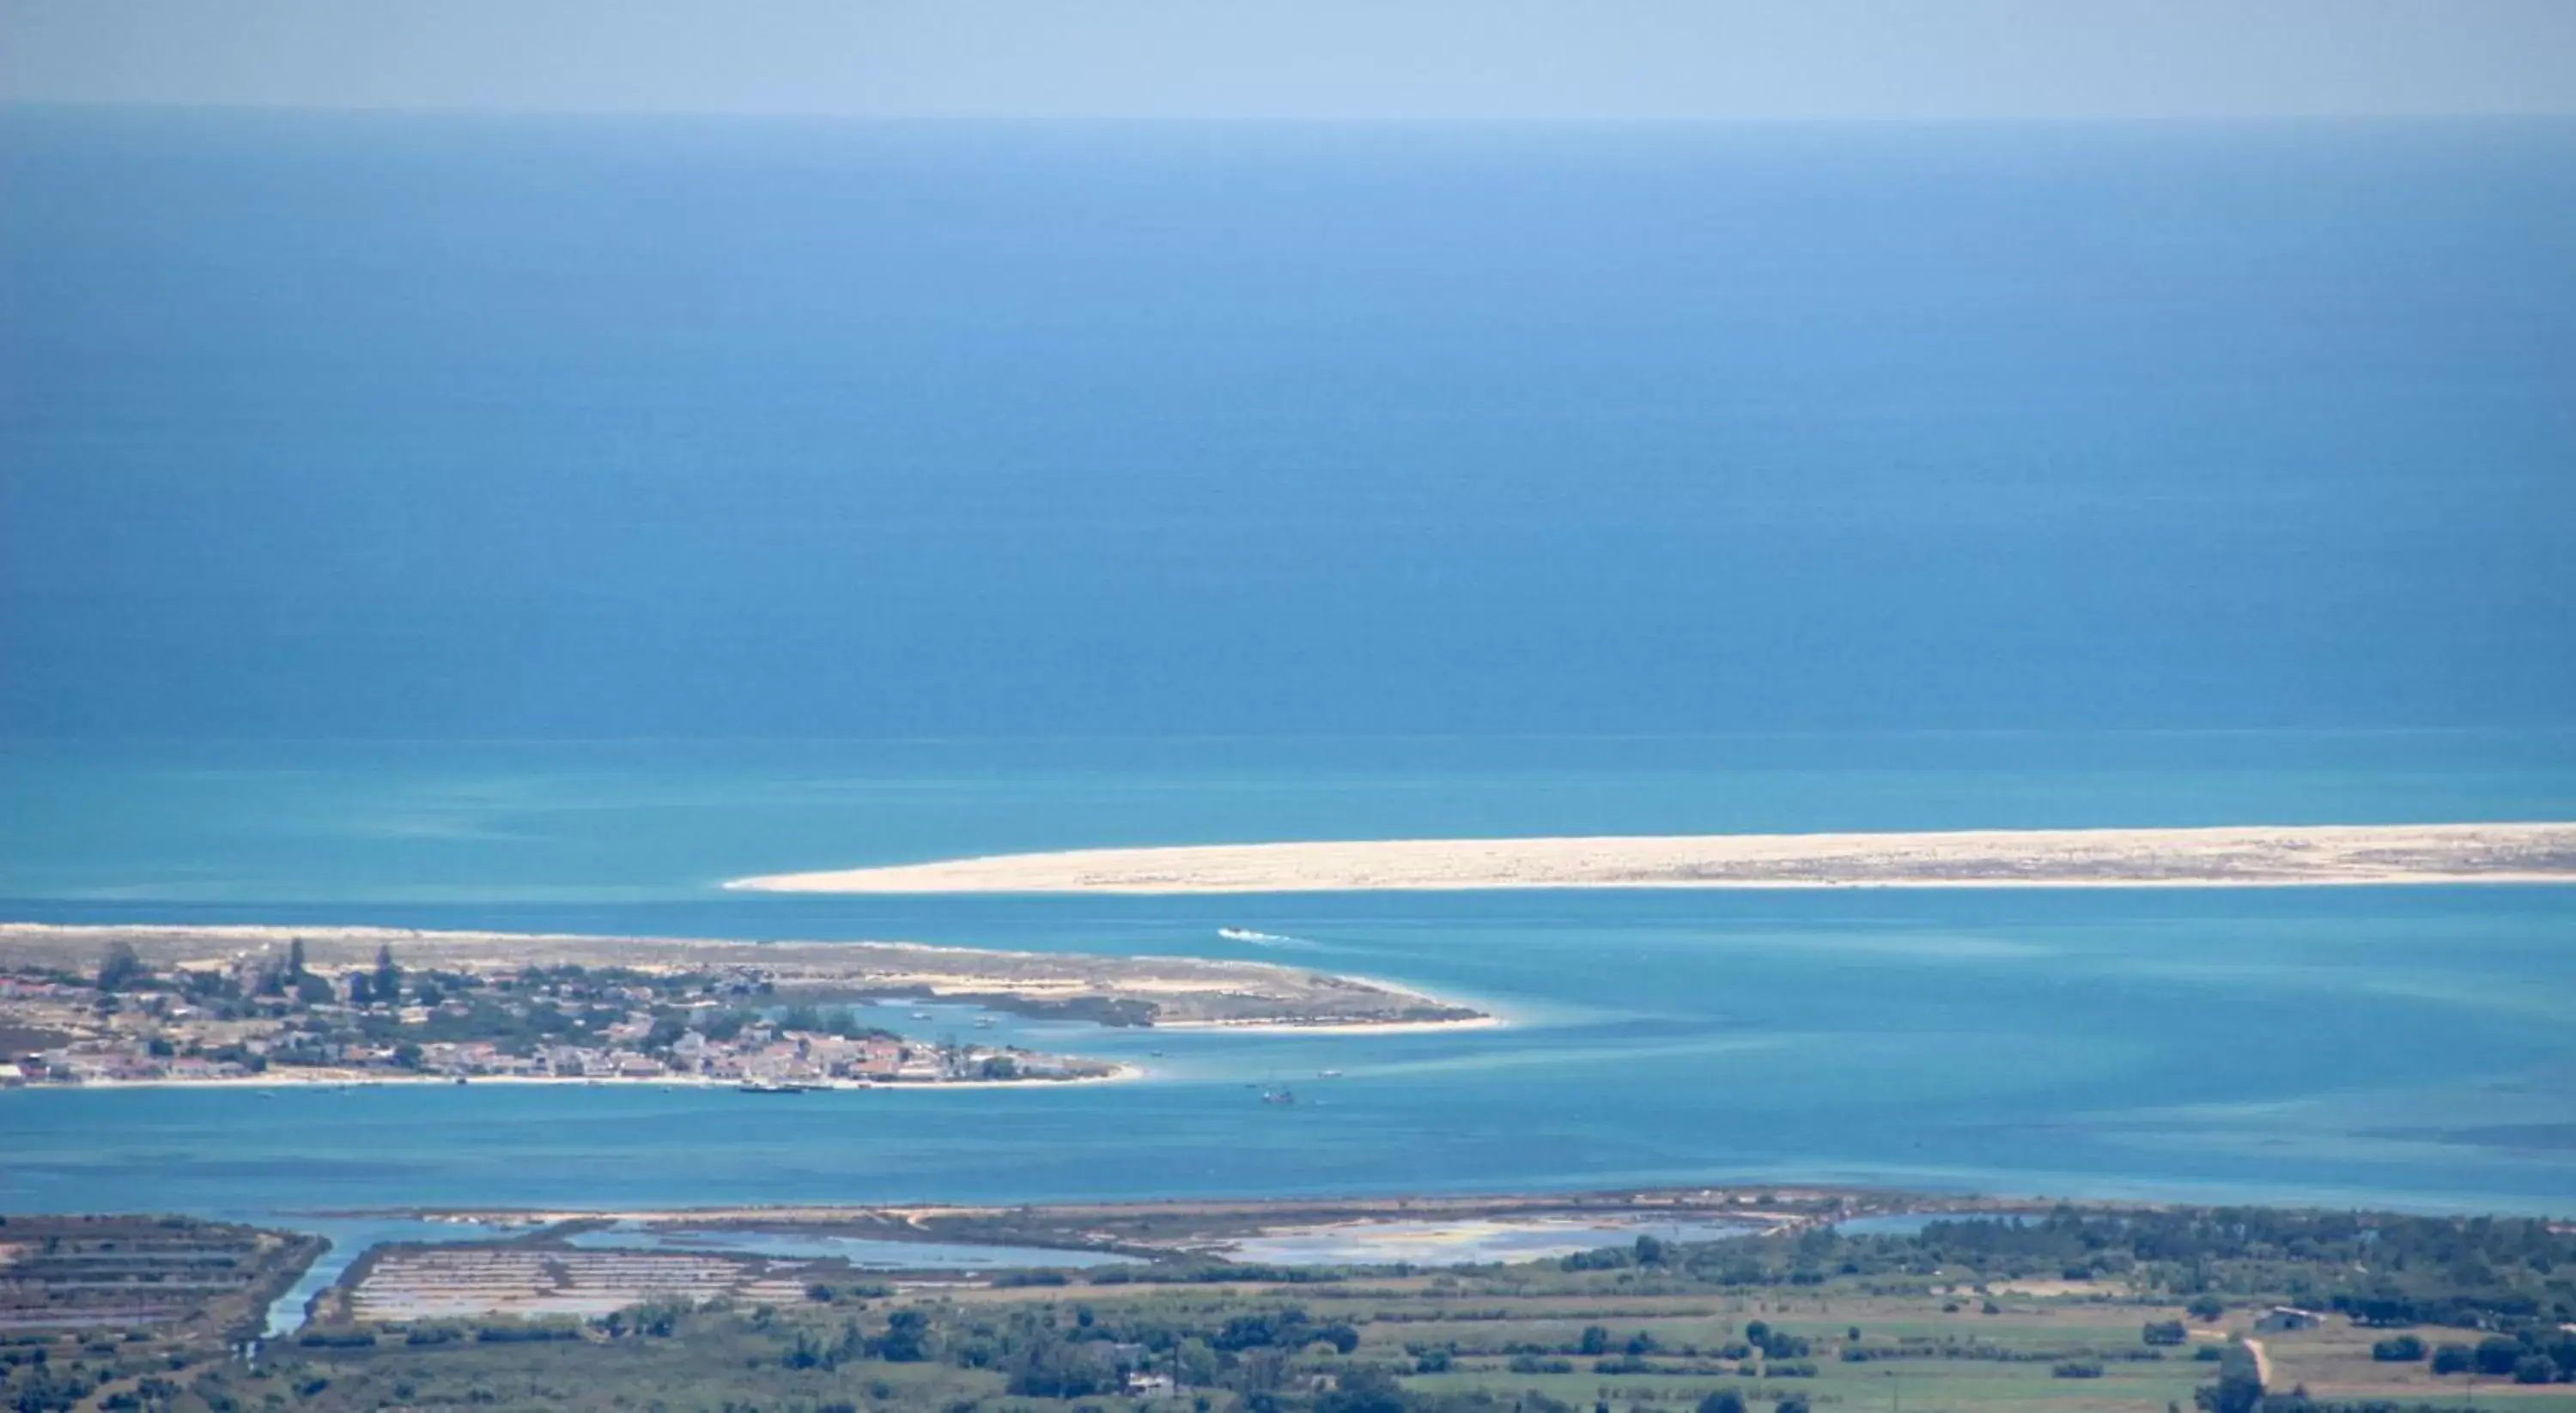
2240 856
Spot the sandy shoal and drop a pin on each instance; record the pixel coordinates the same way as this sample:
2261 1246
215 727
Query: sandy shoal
2235 855
1268 1027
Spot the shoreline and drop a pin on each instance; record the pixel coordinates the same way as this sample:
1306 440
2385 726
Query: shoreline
1789 1203
1120 1073
2226 856
1488 1021
1764 1203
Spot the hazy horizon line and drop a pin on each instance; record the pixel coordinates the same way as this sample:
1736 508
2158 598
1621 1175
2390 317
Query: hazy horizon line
2320 118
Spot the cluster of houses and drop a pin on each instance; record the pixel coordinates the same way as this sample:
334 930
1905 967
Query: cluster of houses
106 1062
757 1056
803 1060
162 1038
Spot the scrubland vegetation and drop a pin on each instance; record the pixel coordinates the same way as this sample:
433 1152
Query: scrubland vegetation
2069 1311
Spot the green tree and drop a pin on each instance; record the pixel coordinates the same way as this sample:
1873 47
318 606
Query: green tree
2498 1354
2238 1389
1365 1389
295 959
388 980
1725 1400
906 1340
120 967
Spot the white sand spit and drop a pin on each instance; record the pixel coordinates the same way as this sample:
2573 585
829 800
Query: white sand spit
2236 855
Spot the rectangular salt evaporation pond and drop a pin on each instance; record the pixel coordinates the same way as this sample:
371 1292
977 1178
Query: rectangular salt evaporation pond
863 1252
352 1237
1458 1243
1897 1223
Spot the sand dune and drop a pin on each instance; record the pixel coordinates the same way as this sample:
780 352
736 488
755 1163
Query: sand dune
2244 856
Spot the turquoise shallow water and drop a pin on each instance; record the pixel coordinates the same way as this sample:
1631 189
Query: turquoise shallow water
2414 1046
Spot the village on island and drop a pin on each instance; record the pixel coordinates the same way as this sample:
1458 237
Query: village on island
267 1015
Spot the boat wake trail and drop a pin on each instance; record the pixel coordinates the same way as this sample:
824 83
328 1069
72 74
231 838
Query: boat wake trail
1267 939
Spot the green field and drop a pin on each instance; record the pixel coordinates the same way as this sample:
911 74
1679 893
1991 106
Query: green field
2069 1312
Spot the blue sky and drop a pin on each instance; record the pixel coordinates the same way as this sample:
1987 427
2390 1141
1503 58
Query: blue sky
1500 60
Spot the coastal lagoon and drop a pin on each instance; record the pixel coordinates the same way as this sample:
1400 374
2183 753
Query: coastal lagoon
2405 1046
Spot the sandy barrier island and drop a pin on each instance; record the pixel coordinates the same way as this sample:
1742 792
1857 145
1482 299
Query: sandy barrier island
2229 856
1113 990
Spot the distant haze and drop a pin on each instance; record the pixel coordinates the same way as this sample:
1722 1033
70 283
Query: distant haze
1500 60
441 427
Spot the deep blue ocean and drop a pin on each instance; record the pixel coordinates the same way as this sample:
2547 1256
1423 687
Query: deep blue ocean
481 523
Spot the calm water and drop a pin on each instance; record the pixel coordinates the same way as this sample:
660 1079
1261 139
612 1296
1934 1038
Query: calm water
2393 1045
455 429
531 524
